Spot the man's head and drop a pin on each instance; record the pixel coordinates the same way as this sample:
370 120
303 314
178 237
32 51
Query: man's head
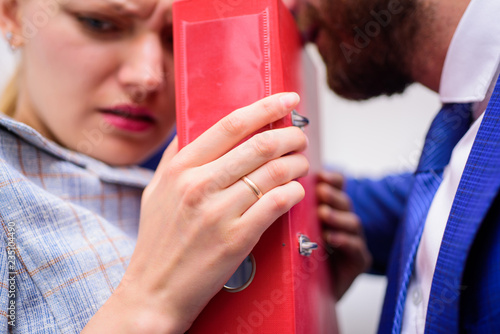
367 45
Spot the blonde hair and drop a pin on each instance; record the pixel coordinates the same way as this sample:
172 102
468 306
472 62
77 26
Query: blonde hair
8 98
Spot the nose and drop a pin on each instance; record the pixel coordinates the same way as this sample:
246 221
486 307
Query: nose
142 72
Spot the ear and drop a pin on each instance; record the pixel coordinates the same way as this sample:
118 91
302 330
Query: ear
10 22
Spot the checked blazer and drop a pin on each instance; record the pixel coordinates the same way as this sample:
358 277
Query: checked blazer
465 293
75 223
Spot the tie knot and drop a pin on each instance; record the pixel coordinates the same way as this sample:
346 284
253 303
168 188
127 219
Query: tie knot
449 126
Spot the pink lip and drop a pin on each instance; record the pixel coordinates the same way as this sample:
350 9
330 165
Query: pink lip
129 117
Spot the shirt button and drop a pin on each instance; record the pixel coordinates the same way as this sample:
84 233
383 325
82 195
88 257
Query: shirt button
417 296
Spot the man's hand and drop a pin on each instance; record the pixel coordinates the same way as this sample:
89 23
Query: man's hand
342 230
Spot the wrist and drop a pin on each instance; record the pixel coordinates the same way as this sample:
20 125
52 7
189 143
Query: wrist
145 312
128 310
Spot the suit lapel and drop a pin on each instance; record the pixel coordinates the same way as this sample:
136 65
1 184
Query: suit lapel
477 189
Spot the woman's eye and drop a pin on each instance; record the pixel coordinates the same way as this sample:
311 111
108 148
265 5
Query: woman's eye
98 25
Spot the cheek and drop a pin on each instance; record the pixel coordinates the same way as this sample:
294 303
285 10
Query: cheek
62 67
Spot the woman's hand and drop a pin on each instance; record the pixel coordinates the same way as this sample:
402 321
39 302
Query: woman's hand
342 231
199 220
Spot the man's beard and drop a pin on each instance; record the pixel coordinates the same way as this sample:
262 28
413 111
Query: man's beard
367 45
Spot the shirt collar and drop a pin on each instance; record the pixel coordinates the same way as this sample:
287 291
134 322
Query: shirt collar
474 54
131 176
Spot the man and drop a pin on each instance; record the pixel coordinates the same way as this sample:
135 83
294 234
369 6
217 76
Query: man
442 257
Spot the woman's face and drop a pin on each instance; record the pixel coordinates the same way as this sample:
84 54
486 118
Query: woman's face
97 75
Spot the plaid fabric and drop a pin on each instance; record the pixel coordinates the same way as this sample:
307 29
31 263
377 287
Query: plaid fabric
76 222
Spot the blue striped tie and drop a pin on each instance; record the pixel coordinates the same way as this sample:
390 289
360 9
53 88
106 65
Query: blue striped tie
450 124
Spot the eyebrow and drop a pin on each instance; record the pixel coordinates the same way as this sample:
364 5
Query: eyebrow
131 8
120 5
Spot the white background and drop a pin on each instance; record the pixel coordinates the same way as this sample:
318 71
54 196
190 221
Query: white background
371 138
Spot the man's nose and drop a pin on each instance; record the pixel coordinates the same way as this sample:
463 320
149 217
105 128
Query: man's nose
143 72
290 4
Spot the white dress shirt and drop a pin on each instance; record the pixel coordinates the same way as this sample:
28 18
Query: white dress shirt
469 75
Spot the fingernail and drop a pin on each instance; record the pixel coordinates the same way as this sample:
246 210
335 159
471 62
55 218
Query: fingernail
290 100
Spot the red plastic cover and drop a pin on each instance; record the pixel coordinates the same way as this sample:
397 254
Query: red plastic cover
229 54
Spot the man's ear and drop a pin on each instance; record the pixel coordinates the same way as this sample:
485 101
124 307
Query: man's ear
10 22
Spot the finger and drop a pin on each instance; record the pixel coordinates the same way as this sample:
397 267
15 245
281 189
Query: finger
351 246
340 240
271 175
340 220
335 179
257 151
169 153
269 208
335 198
235 127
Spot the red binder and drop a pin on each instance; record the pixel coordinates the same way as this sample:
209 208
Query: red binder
228 54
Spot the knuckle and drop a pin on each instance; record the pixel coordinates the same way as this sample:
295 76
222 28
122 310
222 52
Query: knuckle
343 199
337 180
333 196
321 192
270 108
232 125
175 168
264 147
324 212
280 202
277 171
192 196
194 191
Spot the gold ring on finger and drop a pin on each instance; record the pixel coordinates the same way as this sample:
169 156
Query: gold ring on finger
252 186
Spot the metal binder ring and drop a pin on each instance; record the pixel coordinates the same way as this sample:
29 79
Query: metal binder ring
252 186
243 276
299 120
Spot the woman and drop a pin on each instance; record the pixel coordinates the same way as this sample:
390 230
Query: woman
96 249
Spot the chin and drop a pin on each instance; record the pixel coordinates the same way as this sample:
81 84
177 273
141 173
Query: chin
120 160
364 78
121 155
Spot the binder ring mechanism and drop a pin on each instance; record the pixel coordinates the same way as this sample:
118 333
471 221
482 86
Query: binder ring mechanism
243 276
298 120
306 246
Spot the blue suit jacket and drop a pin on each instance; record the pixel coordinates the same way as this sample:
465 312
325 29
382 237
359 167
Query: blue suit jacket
465 293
